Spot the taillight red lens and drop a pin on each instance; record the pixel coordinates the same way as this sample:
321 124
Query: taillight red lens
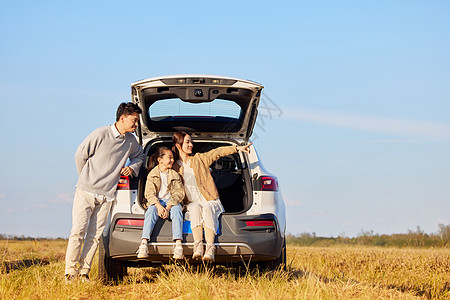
124 183
269 183
130 222
259 223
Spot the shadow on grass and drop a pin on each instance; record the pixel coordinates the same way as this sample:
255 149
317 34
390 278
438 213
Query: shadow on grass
146 274
10 266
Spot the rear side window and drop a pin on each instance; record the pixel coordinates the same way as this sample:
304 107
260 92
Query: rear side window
179 108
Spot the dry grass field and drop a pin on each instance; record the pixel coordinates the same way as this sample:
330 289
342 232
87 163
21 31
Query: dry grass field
312 273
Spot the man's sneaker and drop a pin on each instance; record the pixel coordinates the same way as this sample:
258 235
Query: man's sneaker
69 278
209 253
198 250
84 278
178 252
142 251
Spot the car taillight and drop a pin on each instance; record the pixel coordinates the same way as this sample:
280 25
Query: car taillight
259 223
269 183
124 183
130 222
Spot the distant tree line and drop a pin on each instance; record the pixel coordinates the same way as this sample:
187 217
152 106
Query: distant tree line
417 238
24 238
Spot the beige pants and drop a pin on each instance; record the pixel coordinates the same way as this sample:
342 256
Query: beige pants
89 216
205 214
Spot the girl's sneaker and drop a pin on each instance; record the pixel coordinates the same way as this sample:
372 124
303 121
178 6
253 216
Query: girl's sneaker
209 253
178 252
198 250
142 251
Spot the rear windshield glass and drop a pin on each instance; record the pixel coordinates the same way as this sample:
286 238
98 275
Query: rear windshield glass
179 108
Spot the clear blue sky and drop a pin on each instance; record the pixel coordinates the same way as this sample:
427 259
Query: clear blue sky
363 141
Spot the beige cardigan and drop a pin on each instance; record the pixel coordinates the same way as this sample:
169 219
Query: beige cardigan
200 163
153 185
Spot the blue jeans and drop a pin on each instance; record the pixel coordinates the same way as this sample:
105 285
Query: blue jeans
151 217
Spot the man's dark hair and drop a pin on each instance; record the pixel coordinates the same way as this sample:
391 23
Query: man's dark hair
127 109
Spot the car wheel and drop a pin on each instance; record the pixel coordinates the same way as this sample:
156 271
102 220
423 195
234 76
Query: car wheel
280 262
109 270
282 258
271 265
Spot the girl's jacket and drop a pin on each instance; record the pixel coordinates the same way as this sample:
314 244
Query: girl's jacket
153 185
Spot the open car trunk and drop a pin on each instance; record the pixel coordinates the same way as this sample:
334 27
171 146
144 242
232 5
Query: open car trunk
208 105
230 175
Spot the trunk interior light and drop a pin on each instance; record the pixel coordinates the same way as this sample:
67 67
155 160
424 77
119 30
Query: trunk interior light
130 222
269 183
259 223
124 183
181 80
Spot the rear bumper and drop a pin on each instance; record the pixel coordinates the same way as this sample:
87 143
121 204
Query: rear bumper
235 242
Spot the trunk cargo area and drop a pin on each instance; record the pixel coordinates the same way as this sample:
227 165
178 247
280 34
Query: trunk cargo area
230 175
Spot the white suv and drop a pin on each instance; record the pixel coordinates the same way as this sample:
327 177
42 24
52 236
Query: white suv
216 111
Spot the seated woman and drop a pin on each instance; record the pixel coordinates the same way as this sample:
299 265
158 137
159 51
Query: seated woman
204 206
164 192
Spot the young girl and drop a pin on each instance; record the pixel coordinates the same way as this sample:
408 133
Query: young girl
204 206
164 192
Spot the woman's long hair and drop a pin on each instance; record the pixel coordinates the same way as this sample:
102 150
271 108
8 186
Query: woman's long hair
154 158
177 138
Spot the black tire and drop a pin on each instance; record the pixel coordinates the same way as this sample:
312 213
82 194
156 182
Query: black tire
109 270
280 262
272 265
282 258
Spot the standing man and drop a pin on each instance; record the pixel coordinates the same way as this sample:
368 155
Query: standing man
100 160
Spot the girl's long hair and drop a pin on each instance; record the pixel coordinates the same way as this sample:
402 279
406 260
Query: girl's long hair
154 158
178 138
